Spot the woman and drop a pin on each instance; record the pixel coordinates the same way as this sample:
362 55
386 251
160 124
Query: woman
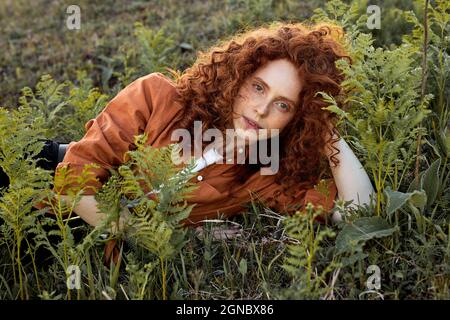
263 79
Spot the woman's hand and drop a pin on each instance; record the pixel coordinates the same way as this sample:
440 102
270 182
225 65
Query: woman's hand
221 232
124 221
87 209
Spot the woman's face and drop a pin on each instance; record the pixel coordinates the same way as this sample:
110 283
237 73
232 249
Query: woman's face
267 100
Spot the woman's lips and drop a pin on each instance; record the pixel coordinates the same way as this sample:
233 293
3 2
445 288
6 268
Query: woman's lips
250 124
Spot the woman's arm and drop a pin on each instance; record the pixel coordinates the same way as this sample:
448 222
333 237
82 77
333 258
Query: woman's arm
351 179
87 209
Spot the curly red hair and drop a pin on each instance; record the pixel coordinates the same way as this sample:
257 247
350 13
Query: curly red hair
209 87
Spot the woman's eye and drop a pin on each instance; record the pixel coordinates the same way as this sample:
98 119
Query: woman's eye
258 88
283 106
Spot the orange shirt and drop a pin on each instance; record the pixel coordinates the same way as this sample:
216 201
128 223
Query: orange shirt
148 105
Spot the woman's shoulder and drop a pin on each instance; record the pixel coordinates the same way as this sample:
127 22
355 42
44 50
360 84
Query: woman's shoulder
161 90
155 98
157 81
153 93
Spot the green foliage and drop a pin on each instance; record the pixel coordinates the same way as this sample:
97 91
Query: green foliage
154 50
48 100
19 131
64 107
384 95
84 102
351 17
385 112
361 230
154 219
308 282
396 200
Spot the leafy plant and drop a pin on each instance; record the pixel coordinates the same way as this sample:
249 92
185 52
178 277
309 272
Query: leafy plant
308 282
64 107
155 217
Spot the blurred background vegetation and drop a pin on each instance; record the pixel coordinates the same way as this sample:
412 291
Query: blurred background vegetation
35 40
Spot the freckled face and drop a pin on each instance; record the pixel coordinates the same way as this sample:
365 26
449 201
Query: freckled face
267 99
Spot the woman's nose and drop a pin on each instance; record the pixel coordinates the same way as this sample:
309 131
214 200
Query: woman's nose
262 109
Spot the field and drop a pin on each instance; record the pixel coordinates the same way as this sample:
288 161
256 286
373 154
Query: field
54 79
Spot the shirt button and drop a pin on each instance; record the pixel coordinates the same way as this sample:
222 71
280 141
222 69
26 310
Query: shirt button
199 178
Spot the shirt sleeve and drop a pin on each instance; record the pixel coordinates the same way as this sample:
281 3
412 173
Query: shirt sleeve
272 194
110 135
323 195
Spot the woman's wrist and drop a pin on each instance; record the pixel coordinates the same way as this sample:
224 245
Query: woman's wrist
123 222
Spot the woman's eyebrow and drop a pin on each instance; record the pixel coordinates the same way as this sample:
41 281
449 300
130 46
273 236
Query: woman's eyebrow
267 87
